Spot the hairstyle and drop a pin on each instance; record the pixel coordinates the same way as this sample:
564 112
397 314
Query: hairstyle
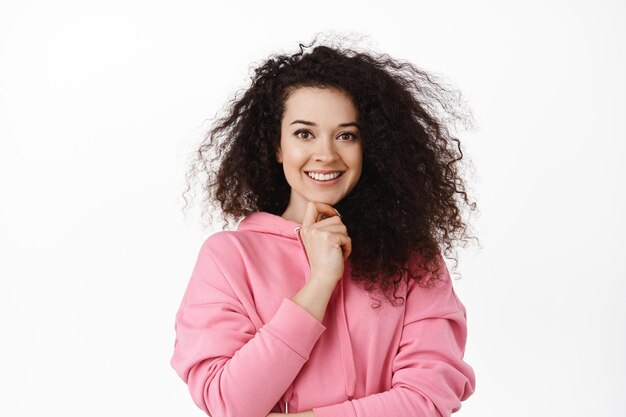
407 204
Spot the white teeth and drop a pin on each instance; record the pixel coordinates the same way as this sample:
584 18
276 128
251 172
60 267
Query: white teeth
324 177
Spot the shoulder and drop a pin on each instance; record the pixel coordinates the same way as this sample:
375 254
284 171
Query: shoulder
436 298
221 255
220 242
232 246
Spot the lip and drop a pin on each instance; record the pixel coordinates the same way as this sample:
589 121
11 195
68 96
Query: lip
325 171
325 183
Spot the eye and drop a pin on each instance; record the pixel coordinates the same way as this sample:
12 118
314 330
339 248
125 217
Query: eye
298 132
350 135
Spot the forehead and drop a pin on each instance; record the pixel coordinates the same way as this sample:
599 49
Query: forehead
320 103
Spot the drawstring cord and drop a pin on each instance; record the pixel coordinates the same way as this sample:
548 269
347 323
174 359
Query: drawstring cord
289 392
344 339
345 344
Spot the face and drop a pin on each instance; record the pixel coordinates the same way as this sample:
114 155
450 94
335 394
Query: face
319 140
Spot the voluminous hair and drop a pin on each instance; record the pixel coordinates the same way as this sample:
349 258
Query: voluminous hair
408 203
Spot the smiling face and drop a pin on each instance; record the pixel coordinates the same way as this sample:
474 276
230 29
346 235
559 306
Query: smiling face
319 135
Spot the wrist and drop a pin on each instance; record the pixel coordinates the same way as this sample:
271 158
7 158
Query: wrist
314 298
322 285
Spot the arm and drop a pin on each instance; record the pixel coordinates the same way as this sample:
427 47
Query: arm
232 369
430 378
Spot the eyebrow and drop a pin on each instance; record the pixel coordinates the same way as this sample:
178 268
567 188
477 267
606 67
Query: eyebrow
306 122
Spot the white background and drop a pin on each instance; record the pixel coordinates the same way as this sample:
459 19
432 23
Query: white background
101 104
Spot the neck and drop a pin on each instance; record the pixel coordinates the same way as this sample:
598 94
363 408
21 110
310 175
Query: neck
290 215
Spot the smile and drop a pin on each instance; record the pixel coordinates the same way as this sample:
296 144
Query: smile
324 177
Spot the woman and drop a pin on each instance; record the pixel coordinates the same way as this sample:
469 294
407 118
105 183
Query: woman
331 298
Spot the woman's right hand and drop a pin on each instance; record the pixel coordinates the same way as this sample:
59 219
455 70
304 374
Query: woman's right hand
326 242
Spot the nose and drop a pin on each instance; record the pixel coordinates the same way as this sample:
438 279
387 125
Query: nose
325 150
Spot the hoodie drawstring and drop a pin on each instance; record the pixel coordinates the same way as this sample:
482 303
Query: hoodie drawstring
346 344
289 393
347 356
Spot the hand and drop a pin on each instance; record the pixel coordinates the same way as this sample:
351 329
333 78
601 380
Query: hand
326 242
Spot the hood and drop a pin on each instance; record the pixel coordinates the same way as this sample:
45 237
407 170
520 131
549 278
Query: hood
264 222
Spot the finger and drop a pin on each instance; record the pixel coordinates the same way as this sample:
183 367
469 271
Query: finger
329 221
332 227
347 248
345 244
324 215
313 209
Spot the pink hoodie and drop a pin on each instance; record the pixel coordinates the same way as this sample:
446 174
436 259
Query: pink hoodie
245 349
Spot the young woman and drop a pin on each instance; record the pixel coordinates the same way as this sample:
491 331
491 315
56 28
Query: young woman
331 298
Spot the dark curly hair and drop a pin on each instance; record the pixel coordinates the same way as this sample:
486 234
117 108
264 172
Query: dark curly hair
406 205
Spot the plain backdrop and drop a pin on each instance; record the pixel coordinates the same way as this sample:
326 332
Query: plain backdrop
102 103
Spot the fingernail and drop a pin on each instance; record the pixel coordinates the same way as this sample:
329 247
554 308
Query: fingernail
337 212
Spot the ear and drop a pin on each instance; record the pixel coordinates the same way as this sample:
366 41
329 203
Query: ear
279 157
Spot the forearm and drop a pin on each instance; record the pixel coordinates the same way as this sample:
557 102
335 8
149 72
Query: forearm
303 414
430 377
399 402
277 351
314 297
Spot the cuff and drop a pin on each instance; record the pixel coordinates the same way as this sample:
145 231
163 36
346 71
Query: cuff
344 409
295 327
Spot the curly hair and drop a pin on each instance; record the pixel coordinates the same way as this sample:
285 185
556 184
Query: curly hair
407 204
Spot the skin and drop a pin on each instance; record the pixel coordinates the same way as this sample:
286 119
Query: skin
324 146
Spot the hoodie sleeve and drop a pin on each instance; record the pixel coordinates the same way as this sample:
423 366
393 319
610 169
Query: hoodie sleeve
430 378
232 369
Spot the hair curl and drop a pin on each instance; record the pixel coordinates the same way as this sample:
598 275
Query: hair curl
408 202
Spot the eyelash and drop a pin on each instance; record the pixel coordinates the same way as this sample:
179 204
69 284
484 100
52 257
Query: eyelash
297 134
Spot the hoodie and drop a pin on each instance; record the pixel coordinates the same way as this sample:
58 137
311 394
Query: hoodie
244 349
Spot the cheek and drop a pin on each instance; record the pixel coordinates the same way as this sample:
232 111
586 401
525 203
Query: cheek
294 156
356 160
